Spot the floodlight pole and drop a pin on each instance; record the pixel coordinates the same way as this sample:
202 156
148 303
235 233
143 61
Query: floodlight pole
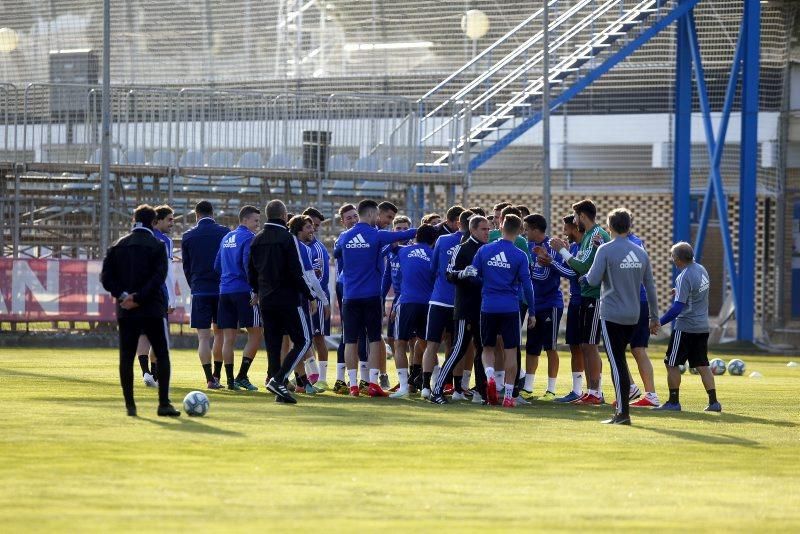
105 159
546 200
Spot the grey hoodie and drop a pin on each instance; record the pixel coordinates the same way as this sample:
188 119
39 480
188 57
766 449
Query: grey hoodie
622 267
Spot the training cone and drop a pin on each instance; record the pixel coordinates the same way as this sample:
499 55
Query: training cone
792 364
756 374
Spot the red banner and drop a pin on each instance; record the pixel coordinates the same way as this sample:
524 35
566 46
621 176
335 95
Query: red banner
66 290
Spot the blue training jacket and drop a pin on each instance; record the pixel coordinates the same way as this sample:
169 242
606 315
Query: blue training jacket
391 273
574 285
503 268
321 261
444 293
199 247
415 273
636 240
360 250
547 279
232 260
338 259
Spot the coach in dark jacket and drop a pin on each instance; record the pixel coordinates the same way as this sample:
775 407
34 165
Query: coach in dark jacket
134 271
276 275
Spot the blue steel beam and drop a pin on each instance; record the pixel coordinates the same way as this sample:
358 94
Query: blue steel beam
745 306
682 150
584 82
730 93
714 149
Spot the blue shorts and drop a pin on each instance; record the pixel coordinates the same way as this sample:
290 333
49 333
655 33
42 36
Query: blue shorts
573 336
234 311
641 334
204 311
320 326
362 315
390 325
410 320
439 321
544 336
500 324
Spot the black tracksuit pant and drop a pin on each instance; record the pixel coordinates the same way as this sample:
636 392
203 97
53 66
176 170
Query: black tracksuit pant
280 321
466 330
157 332
616 338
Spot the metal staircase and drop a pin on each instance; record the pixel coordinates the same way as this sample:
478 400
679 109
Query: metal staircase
492 103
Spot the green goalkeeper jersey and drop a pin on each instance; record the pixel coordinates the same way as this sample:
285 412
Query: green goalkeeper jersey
582 261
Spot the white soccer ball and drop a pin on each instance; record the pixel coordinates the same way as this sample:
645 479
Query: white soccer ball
736 367
683 367
717 366
195 403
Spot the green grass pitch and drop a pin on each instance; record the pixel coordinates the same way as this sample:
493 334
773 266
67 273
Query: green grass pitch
72 461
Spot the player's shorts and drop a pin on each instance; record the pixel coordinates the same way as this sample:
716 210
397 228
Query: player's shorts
320 326
439 321
505 325
641 334
410 320
544 335
204 311
590 321
573 336
686 346
390 325
234 311
362 315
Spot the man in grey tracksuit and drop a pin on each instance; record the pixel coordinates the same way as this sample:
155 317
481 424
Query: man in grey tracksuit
621 267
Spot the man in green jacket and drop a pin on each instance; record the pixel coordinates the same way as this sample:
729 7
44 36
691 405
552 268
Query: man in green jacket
594 235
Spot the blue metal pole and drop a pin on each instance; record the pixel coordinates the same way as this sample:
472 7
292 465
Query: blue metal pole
745 311
714 150
682 151
722 133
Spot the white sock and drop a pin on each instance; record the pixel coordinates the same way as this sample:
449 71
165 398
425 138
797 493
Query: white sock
500 378
599 391
529 382
402 374
577 383
312 365
353 374
340 367
364 371
435 373
551 384
374 376
489 373
593 392
633 388
509 390
323 371
465 380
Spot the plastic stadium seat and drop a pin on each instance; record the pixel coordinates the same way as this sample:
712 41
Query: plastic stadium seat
164 157
396 165
136 157
221 159
251 160
117 157
367 164
280 161
192 158
338 187
369 188
340 162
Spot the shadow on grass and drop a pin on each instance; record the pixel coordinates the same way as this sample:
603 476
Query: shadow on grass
192 425
711 439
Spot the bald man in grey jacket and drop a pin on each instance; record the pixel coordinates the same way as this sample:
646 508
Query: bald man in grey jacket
620 267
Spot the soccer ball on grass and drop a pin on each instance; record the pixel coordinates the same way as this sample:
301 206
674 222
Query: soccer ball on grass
736 367
717 366
195 403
